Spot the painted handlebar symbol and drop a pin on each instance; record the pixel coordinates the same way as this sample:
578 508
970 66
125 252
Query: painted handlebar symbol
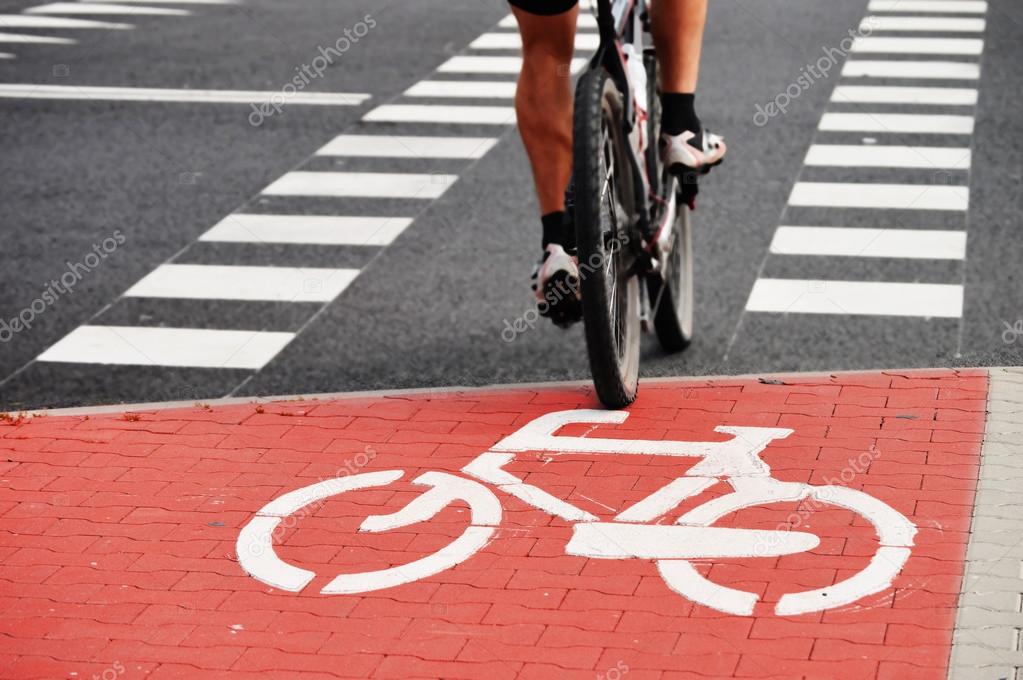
630 535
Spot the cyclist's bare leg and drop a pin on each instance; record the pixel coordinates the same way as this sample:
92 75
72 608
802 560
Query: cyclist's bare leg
543 101
677 26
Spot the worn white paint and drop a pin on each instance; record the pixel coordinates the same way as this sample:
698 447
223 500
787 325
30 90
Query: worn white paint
928 24
37 21
309 229
897 122
151 94
104 8
619 540
934 70
929 6
37 39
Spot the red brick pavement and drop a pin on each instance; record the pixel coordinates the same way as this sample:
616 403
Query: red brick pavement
117 538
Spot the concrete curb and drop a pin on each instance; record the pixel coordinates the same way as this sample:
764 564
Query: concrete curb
987 640
415 391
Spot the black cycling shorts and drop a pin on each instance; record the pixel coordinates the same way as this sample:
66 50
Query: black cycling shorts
545 8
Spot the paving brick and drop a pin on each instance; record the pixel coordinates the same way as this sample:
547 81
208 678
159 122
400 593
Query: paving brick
118 538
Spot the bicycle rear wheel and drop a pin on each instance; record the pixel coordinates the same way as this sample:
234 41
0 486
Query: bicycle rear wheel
603 219
671 289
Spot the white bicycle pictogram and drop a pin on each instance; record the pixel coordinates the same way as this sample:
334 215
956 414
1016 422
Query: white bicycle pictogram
632 534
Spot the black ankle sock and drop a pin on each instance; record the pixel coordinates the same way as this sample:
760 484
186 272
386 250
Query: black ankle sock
553 228
678 113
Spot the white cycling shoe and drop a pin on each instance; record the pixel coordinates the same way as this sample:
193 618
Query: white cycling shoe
556 286
679 155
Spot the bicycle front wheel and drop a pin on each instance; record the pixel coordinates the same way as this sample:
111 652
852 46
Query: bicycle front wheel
603 219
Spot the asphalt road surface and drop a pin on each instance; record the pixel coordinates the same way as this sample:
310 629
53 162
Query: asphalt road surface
164 238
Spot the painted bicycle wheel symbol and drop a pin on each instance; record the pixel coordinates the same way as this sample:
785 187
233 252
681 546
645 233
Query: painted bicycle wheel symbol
630 535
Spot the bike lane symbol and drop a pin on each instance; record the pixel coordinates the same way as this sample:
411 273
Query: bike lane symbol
630 535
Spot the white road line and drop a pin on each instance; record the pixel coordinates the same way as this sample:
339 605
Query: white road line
439 113
313 229
41 39
101 8
971 46
27 21
945 96
364 184
387 146
873 156
6 55
938 70
933 24
146 94
513 41
230 282
849 242
150 346
936 6
176 2
898 122
880 196
866 298
471 89
586 21
475 64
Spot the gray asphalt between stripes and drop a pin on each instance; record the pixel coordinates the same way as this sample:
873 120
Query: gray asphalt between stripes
431 308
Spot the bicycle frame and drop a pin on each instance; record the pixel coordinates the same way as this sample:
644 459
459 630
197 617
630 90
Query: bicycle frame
621 22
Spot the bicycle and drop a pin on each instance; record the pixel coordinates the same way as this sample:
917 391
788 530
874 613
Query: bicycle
631 534
632 217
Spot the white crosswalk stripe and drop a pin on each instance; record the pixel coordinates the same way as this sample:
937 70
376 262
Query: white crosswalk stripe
512 41
228 282
361 184
103 8
885 210
861 298
925 244
935 6
873 156
151 346
963 46
39 21
937 96
898 122
393 146
468 89
307 229
379 138
38 39
437 113
931 24
880 196
933 70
